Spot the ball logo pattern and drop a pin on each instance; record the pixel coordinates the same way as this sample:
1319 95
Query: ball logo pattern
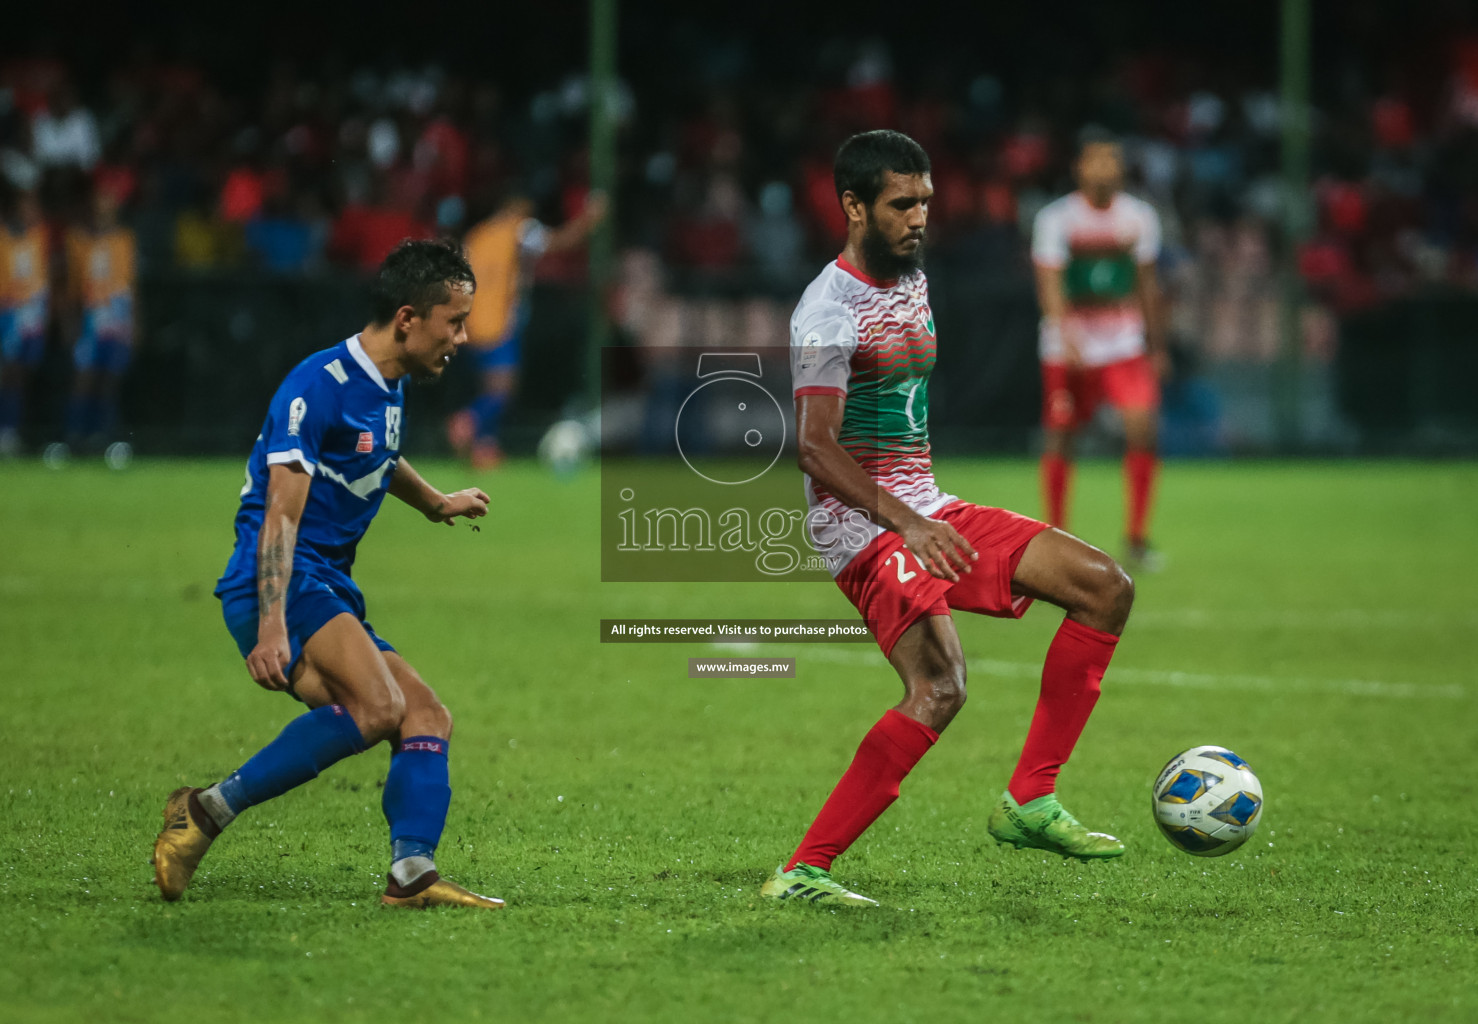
1207 801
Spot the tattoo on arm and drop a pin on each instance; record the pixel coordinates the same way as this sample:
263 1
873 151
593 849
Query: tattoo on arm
274 559
270 587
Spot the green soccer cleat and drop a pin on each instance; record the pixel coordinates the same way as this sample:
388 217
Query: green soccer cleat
1043 824
804 882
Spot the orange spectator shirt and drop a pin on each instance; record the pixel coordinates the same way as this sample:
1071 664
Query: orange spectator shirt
501 250
22 266
100 267
492 249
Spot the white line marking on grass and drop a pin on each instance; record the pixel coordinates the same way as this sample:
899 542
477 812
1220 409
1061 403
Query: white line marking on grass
1145 677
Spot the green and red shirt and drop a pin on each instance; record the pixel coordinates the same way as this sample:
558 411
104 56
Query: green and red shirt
1099 252
872 343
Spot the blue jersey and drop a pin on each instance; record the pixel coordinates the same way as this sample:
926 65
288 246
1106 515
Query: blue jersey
339 419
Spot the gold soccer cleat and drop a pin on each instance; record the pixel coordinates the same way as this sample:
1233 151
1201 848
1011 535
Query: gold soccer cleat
187 834
439 893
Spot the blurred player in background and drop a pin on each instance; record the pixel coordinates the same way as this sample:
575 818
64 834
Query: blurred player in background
101 266
25 306
327 455
1102 337
905 553
502 251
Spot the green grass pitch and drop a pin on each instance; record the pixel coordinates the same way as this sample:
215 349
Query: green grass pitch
1317 618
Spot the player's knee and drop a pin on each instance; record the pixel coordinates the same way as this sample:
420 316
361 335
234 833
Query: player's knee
380 713
950 691
424 713
942 688
1103 593
441 719
1116 596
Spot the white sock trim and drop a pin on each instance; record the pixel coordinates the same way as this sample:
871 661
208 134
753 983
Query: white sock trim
215 805
406 870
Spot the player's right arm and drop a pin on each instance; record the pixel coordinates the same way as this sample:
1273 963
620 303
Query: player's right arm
1049 258
299 418
287 496
573 232
1053 299
823 341
938 547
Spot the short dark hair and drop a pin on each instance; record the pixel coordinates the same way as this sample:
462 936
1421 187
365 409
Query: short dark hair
864 161
418 273
1096 135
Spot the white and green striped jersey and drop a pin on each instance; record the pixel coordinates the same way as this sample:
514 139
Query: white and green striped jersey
872 343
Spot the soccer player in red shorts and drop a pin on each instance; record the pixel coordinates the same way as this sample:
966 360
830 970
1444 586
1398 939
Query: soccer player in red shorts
907 554
1101 337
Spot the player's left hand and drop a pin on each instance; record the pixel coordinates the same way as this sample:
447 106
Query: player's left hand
469 504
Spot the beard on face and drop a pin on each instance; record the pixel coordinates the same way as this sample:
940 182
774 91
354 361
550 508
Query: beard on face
882 261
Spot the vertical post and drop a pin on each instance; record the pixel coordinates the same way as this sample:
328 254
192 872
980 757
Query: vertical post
1297 218
603 177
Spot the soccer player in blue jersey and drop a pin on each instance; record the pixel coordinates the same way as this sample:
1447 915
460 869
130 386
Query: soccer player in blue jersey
327 455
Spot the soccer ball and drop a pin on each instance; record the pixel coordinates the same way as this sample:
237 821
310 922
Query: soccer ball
1207 801
564 446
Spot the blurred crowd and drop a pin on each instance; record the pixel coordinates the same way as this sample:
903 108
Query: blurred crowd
725 168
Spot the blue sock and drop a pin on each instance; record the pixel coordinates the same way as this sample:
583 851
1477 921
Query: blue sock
488 409
418 792
308 745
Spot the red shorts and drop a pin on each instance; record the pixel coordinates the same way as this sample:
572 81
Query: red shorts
893 591
1070 397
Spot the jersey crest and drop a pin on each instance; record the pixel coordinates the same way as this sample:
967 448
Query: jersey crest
295 414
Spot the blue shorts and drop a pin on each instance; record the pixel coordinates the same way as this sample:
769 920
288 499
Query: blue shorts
23 332
311 603
105 343
506 353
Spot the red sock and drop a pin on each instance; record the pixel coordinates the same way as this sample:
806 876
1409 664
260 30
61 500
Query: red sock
1071 675
888 753
1057 475
1140 469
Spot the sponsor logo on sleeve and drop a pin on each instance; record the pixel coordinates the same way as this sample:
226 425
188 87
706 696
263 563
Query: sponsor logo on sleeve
295 414
810 350
366 442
